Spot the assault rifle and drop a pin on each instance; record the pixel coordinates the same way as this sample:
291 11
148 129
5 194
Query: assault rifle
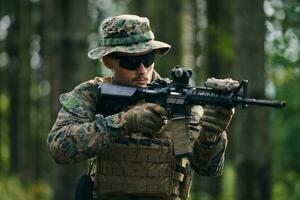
177 96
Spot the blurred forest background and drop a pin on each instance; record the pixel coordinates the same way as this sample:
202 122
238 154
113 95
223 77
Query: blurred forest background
43 53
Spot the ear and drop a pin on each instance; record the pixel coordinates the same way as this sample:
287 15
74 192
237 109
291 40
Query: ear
108 62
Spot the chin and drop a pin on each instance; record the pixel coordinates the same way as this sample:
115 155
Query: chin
141 85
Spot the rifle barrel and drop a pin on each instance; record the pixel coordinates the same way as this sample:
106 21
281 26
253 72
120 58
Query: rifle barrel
262 102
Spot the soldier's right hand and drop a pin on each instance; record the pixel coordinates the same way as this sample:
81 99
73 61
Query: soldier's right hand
147 119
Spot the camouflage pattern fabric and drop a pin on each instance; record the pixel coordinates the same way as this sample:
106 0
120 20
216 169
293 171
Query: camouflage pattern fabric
78 134
127 34
207 160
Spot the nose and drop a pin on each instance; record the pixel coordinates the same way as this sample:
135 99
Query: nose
141 69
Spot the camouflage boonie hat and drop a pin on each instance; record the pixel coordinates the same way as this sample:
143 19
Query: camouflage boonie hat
127 34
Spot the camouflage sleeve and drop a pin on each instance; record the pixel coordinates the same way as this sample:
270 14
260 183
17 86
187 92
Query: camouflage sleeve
206 160
79 134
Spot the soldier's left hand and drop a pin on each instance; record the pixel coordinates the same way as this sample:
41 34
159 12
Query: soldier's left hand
214 121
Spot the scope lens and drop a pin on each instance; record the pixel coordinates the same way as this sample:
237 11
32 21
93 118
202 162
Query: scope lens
178 73
189 73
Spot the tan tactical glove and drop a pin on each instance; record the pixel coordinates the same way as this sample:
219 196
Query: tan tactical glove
147 119
214 121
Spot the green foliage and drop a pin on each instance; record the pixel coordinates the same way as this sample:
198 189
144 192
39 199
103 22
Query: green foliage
4 103
228 182
12 189
286 141
283 58
224 47
4 153
287 186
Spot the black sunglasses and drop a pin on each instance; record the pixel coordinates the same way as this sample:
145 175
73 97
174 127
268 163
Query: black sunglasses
133 62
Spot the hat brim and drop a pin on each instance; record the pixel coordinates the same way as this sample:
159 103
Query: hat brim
142 47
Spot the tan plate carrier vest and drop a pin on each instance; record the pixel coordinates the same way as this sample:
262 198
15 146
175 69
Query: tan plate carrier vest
143 167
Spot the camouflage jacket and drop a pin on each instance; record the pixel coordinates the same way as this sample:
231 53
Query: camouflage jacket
79 134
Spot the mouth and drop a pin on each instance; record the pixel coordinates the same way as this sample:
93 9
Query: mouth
141 81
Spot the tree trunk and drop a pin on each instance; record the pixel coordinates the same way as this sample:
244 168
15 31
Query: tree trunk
25 86
1 118
219 47
65 53
199 20
166 24
13 71
2 13
218 55
252 146
40 101
188 39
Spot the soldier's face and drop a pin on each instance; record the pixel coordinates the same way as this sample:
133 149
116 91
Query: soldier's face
139 75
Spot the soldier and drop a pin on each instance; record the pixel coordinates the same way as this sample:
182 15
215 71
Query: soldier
131 156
